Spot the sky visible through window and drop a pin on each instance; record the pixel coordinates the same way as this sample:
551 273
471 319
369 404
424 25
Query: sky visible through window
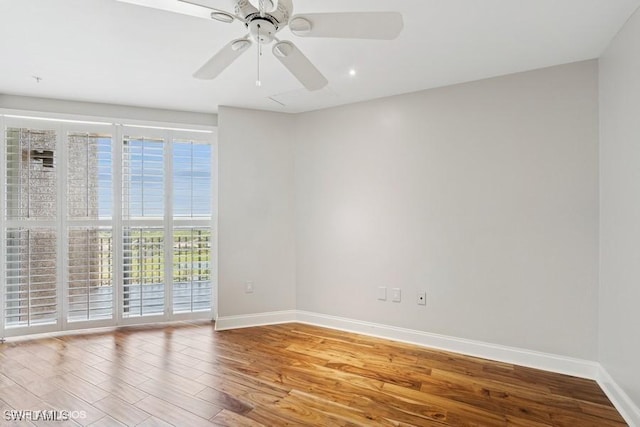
191 179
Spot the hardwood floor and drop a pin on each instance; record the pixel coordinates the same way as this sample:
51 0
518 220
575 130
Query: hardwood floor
189 375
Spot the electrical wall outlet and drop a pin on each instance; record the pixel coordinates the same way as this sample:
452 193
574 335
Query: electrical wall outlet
396 295
422 298
382 293
248 287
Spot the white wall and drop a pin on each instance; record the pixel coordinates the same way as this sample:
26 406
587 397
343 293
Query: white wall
620 209
256 218
483 194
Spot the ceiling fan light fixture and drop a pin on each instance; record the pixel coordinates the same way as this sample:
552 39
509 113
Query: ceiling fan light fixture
300 26
240 45
225 17
282 49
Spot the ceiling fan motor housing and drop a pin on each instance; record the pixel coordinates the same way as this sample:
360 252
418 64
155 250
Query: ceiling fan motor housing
279 16
262 30
264 26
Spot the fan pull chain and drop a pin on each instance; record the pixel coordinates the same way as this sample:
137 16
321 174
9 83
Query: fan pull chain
258 82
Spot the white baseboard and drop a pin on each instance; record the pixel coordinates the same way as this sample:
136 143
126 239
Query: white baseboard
260 319
517 356
620 399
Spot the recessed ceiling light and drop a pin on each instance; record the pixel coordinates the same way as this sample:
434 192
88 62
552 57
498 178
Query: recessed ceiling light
352 72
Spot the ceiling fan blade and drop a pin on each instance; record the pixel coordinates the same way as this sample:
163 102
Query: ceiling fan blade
174 6
196 8
202 3
217 14
299 65
356 25
221 60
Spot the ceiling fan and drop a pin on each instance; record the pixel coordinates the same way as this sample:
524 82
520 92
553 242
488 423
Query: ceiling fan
265 18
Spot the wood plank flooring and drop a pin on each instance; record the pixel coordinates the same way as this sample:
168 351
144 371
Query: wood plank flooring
189 375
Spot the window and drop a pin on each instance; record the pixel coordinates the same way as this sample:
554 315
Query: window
144 278
191 269
89 206
31 289
191 160
166 242
101 230
90 274
191 179
143 235
143 176
31 260
31 181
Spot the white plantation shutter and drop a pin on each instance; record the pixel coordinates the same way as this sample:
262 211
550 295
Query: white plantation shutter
191 269
31 282
90 246
30 241
31 179
89 176
191 179
143 271
103 224
143 236
142 178
90 274
192 213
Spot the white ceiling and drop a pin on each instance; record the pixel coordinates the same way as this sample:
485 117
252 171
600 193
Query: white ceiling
112 52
